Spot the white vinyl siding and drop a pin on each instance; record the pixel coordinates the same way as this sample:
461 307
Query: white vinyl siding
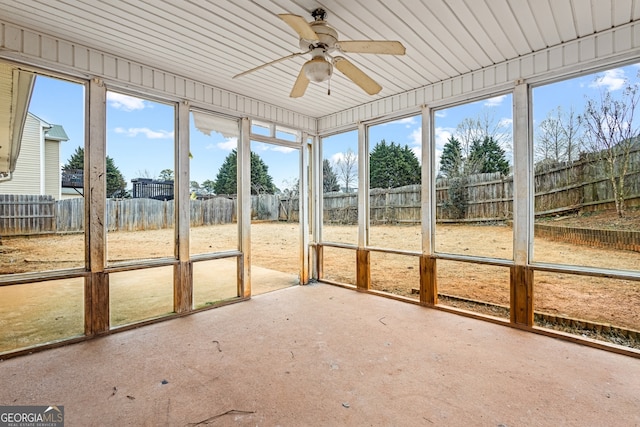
52 168
26 178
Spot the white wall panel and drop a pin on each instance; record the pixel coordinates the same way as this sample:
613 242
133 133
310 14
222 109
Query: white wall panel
65 54
588 50
43 51
31 43
81 58
593 52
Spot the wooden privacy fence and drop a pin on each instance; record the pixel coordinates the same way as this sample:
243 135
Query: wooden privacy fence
583 184
483 197
28 215
23 214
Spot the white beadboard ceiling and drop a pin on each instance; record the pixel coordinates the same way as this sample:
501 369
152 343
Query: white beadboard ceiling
212 40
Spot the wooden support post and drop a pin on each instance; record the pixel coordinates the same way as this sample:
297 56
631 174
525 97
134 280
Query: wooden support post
523 206
244 207
522 295
182 287
428 280
96 304
183 273
303 209
363 272
95 233
318 261
316 206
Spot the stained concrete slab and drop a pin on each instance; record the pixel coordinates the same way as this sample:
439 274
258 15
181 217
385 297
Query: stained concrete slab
321 355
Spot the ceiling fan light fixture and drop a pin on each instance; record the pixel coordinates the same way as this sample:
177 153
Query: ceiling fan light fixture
318 69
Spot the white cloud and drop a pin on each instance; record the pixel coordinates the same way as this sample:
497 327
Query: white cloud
495 101
340 156
611 80
151 134
441 113
125 102
228 144
442 136
418 152
259 146
416 137
336 157
506 122
282 149
408 121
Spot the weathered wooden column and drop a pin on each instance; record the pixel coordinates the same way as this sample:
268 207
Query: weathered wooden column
428 278
244 208
96 294
363 270
303 209
521 283
316 208
182 272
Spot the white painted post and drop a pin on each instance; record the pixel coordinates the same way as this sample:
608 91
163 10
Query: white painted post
244 208
363 187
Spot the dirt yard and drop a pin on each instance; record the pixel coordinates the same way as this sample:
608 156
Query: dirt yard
275 247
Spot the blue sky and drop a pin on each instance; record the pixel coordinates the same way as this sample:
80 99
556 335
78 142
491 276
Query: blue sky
140 132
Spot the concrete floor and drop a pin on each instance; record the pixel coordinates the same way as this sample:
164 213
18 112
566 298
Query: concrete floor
321 355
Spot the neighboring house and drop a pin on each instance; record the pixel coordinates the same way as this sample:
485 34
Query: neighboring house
72 183
37 168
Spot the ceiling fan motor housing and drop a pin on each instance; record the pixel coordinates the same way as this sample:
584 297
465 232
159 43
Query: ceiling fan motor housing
326 33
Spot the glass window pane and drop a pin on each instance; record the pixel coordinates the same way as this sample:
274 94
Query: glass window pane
213 213
339 265
37 313
214 281
394 183
474 287
140 179
138 295
474 183
587 171
340 188
275 226
395 274
41 183
595 307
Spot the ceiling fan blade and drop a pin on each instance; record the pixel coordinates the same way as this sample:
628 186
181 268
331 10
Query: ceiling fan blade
300 86
300 26
293 55
356 75
372 46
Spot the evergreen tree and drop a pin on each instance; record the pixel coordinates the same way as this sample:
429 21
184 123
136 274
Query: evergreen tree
451 161
329 178
391 166
488 157
226 180
76 161
115 181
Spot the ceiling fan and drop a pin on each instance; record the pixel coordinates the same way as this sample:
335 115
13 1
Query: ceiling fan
320 40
